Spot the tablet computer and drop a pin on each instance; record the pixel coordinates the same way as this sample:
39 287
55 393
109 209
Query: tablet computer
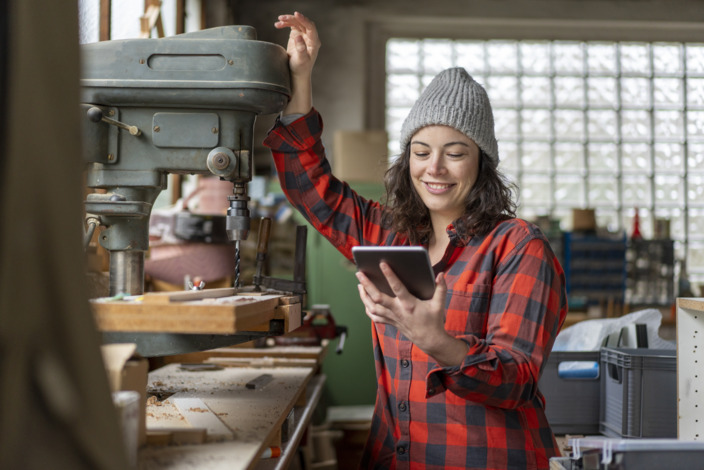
410 263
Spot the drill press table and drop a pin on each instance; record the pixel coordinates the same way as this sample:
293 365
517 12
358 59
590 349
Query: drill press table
167 323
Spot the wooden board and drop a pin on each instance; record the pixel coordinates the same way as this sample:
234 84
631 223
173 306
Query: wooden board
692 303
262 362
192 312
257 357
254 416
199 416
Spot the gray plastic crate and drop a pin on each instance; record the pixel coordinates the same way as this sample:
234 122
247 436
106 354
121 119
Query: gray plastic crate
638 393
600 453
571 402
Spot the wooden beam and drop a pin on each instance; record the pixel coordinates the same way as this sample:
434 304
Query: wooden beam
180 16
151 19
176 184
105 20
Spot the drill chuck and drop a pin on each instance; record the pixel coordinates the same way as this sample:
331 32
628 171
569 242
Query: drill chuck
237 222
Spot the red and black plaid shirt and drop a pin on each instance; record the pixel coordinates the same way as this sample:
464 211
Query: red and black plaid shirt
506 299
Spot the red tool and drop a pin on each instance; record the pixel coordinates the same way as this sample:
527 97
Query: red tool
318 325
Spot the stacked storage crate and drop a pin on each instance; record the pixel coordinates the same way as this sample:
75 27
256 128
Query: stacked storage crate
651 272
638 393
595 268
630 393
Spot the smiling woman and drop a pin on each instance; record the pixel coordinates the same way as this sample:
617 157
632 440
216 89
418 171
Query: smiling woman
457 373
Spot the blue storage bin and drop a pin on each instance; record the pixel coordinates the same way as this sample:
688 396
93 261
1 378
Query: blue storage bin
572 393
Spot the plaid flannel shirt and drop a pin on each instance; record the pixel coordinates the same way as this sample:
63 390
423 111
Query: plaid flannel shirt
506 299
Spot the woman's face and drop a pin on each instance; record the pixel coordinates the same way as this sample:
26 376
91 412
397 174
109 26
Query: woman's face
444 165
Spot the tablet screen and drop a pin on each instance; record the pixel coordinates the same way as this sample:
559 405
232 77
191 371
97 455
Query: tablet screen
410 263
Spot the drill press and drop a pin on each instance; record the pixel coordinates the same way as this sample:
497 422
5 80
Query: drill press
184 104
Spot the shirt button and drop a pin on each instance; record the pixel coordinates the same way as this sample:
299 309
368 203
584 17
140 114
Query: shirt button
431 391
404 363
402 406
401 450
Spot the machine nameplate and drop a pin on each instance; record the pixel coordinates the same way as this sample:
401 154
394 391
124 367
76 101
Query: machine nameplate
185 130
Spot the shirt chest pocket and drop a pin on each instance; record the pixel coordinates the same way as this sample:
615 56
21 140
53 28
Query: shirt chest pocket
468 309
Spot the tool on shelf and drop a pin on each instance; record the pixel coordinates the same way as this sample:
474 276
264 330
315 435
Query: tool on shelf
318 325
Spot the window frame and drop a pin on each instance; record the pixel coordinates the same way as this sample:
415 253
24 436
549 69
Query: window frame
380 31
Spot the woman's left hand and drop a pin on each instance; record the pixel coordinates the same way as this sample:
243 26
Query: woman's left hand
421 321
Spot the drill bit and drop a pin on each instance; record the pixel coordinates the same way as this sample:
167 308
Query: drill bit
237 264
237 223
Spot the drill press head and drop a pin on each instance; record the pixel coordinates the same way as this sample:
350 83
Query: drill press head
184 104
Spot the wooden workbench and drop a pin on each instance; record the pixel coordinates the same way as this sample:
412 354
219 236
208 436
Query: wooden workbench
254 419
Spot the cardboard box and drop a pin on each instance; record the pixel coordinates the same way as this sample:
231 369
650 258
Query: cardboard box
583 220
127 370
360 155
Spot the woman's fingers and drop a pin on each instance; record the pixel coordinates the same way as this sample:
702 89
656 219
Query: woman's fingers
398 288
370 289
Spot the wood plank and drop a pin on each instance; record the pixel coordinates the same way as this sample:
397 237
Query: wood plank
187 295
693 303
261 362
224 315
302 352
199 415
276 356
291 314
105 20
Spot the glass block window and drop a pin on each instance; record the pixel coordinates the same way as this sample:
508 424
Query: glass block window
614 126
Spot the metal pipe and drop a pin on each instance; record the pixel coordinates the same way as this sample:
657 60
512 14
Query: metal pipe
126 272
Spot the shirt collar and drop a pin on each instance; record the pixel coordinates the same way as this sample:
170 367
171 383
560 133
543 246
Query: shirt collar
455 237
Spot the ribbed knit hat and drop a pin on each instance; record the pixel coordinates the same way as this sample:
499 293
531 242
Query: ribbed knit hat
453 98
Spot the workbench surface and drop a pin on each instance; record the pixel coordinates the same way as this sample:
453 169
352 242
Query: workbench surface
253 418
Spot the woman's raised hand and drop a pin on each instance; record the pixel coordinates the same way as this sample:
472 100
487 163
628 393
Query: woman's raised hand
303 42
302 49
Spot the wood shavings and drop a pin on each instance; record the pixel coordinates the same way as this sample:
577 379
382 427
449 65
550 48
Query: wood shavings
198 410
154 401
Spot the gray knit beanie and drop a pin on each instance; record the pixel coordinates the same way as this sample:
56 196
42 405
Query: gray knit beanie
453 98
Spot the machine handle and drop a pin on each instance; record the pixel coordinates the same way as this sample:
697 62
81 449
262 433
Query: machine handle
264 229
95 114
341 342
262 247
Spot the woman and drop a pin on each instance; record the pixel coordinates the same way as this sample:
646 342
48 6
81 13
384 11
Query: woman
457 374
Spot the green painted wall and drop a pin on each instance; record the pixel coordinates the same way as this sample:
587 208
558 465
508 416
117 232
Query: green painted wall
351 379
330 276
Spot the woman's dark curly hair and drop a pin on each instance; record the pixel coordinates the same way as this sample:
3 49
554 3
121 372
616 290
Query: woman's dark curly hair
489 202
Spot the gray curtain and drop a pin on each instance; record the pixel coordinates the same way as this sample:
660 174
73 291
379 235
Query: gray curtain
55 405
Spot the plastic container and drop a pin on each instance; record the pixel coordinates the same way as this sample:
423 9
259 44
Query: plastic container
638 393
572 392
127 405
635 454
